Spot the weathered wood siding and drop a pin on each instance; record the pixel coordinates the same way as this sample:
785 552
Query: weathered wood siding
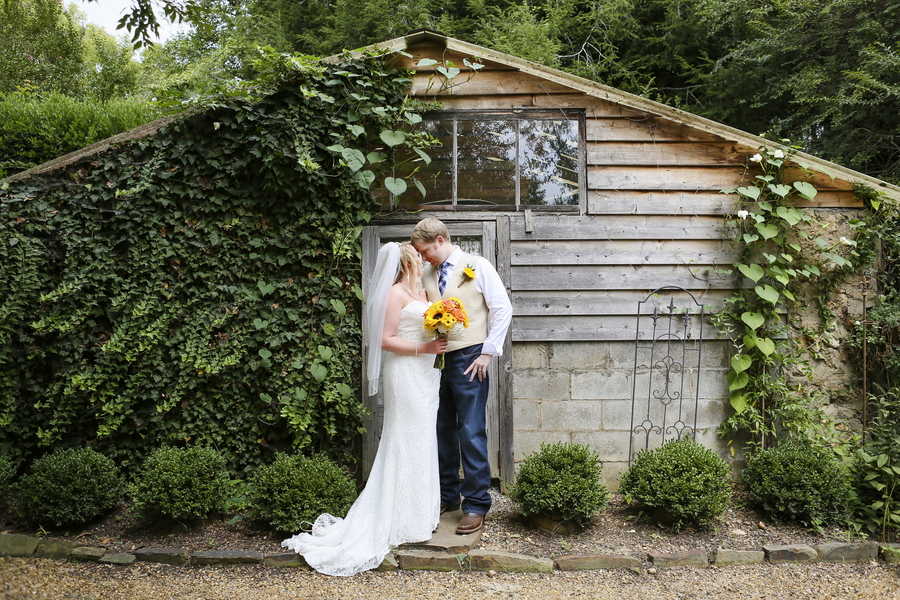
651 215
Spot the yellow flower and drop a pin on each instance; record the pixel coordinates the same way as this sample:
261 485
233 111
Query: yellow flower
468 275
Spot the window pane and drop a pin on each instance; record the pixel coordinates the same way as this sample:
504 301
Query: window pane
486 155
549 162
436 177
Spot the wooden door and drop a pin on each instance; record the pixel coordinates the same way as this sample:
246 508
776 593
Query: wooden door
477 238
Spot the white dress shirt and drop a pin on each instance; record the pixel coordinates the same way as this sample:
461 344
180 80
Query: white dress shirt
489 285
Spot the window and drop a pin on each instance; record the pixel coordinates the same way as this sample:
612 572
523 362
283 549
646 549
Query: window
498 161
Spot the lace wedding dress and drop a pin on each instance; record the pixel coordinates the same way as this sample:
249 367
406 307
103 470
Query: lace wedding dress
401 500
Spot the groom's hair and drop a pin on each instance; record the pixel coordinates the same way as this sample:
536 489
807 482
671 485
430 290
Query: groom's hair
428 229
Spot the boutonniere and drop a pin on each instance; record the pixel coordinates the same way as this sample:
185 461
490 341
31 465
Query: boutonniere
468 274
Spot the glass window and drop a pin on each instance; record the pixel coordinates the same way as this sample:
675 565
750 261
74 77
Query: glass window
498 160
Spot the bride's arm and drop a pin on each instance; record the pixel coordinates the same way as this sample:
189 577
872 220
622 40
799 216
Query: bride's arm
389 339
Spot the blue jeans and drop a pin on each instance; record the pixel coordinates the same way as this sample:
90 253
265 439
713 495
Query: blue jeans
461 431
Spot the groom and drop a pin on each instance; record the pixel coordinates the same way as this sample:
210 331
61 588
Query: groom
464 381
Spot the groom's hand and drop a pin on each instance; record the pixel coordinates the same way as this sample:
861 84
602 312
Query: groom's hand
479 367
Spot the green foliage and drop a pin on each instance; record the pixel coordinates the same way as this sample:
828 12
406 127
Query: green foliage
202 283
181 483
876 470
40 43
37 127
294 490
686 481
782 250
7 473
69 487
563 481
798 482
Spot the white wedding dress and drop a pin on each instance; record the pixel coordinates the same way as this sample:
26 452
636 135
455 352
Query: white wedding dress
401 500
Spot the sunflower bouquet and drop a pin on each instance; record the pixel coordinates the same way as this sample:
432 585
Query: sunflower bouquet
445 318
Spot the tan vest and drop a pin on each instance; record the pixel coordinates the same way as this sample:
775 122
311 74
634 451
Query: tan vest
468 294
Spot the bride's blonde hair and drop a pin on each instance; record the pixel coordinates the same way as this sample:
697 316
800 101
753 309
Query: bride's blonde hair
409 256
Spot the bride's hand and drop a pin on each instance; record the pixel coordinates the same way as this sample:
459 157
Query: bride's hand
438 346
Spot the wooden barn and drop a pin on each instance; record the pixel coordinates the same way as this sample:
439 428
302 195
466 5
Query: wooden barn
588 200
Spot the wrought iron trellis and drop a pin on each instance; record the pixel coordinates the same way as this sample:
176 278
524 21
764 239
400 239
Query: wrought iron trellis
673 362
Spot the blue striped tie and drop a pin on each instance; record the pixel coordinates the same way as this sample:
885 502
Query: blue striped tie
442 278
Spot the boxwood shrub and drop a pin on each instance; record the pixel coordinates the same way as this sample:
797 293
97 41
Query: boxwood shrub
69 487
7 473
561 481
297 489
181 483
684 481
796 482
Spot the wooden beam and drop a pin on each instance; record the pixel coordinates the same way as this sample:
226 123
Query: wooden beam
622 252
592 329
615 277
690 178
646 129
663 154
623 202
490 83
606 302
505 365
623 227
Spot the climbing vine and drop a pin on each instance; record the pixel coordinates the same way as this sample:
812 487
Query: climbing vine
786 256
202 284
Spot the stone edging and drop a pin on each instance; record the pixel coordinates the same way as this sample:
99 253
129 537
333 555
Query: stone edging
23 546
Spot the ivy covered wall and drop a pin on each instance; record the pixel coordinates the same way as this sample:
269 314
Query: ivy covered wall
199 285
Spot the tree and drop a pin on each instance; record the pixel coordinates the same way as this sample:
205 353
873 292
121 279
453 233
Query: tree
40 44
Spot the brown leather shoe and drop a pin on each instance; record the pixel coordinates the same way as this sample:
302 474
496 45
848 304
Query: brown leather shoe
449 507
470 523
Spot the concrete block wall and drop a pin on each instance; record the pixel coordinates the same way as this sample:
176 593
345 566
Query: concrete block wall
582 392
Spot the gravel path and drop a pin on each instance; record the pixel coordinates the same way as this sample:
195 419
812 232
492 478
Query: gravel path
22 579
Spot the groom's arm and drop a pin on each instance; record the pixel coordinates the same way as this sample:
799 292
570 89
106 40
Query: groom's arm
490 286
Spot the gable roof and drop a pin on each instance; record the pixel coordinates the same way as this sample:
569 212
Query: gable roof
630 101
579 84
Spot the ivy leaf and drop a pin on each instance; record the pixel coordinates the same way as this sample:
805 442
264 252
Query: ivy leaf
344 390
789 295
413 118
750 192
472 65
765 206
375 157
357 130
813 269
766 230
767 293
318 372
741 362
791 215
354 158
265 398
750 341
337 148
359 293
754 272
765 345
754 320
426 62
265 353
424 156
392 138
265 288
448 73
260 324
339 307
739 402
770 257
364 178
420 187
749 239
395 186
807 190
325 352
737 381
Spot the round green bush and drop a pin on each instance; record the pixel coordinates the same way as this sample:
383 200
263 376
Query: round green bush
793 482
297 489
687 482
69 487
561 481
181 483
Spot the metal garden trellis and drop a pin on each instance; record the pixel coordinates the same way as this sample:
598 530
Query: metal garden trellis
668 348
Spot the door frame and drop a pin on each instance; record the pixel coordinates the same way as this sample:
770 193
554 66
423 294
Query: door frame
494 233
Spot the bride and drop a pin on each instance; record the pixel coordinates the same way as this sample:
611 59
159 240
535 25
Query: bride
401 501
